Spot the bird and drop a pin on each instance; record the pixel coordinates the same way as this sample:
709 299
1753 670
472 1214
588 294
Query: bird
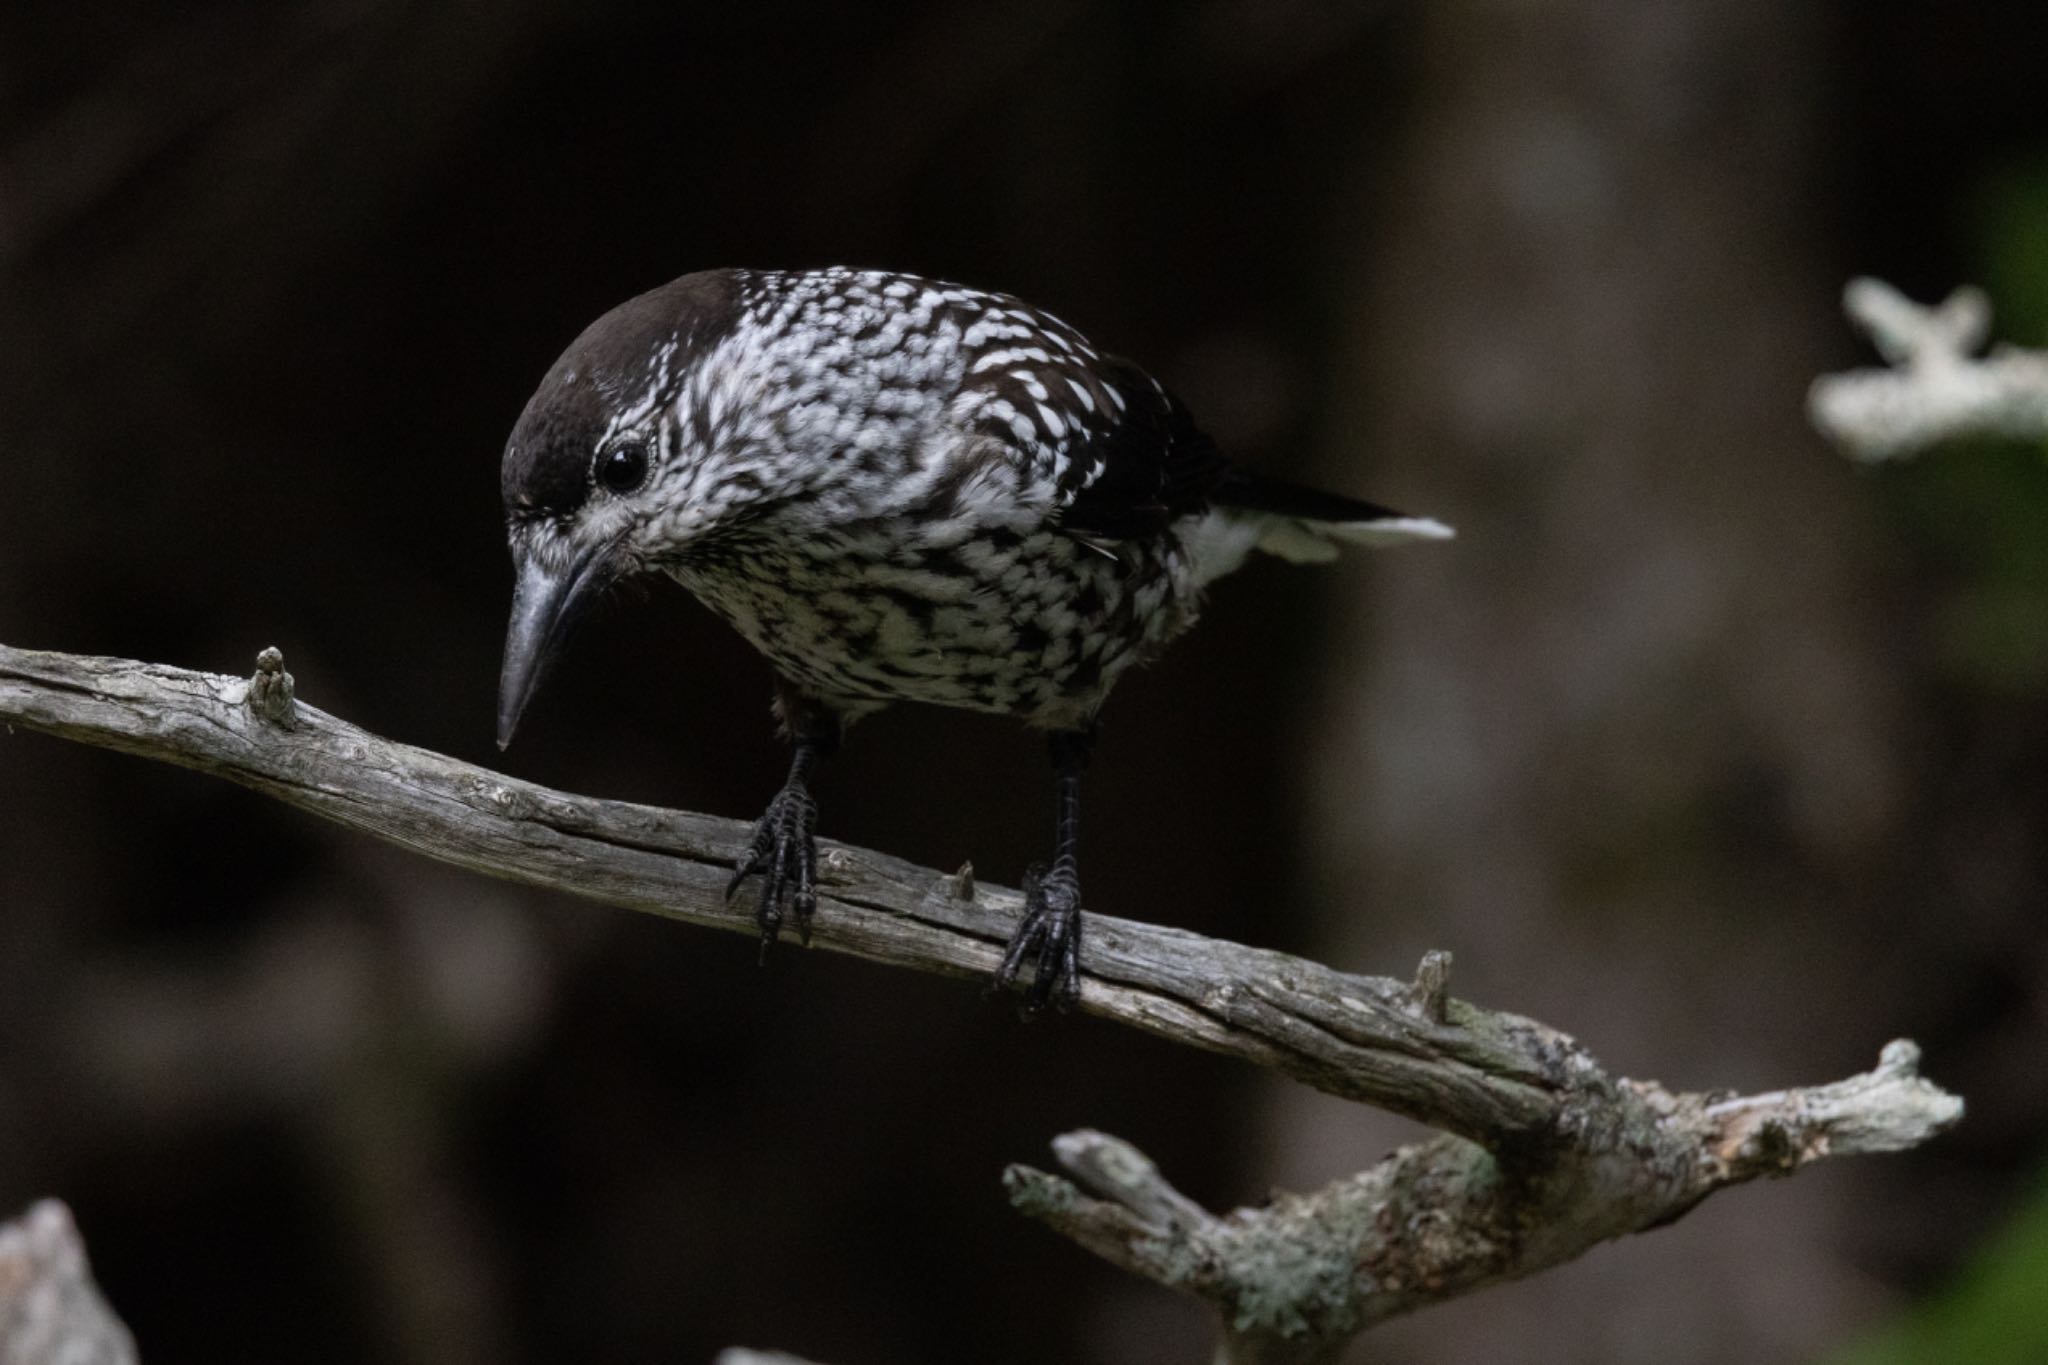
896 489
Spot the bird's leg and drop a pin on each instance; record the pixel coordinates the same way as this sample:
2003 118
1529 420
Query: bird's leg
1049 935
784 849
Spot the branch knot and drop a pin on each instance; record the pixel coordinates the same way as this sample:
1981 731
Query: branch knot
270 690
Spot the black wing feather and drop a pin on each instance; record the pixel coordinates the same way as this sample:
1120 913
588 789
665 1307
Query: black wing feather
1256 493
1123 457
1135 475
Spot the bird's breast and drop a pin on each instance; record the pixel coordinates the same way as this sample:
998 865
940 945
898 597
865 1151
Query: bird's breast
1033 624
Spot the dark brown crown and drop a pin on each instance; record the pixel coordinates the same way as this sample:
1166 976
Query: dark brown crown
546 471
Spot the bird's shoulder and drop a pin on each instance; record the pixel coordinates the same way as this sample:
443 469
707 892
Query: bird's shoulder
1099 443
1120 456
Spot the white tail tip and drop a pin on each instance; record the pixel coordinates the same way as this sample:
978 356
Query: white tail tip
1388 530
1300 541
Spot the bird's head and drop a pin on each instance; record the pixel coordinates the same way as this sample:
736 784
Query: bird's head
612 468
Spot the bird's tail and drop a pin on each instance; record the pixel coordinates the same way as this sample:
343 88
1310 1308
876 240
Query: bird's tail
1306 525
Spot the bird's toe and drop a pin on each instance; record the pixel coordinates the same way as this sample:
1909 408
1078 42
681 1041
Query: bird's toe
784 851
1048 937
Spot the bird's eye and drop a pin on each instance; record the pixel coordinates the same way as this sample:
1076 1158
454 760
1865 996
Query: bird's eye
623 468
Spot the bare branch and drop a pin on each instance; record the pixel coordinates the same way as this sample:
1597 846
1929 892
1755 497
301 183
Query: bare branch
1492 1077
1295 1279
1547 1154
1936 389
51 1312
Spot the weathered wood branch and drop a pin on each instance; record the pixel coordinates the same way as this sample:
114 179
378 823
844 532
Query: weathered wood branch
1492 1077
1294 1279
1545 1154
1936 387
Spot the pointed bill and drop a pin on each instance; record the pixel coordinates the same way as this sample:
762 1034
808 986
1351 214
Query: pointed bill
546 604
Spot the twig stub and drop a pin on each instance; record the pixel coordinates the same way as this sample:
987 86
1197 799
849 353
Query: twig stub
1429 993
270 690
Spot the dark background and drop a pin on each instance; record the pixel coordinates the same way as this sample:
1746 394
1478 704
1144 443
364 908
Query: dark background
1699 743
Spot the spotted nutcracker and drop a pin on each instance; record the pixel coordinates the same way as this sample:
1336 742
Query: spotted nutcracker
896 490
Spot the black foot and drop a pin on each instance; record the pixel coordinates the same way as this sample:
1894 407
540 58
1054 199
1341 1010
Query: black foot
785 853
1049 938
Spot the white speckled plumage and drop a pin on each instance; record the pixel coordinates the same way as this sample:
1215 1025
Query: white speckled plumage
898 489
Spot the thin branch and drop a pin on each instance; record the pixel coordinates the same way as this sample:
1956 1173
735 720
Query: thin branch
1937 389
1546 1154
1493 1077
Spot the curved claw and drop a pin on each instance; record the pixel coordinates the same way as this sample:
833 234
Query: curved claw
1049 937
784 851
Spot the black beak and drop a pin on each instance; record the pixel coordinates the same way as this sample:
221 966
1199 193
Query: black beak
545 605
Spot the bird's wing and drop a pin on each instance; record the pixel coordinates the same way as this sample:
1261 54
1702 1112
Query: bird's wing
1119 455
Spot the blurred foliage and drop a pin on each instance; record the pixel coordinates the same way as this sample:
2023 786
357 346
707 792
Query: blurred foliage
1981 514
1994 1314
1981 510
2009 233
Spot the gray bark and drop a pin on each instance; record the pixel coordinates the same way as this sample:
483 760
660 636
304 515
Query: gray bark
1296 1278
1544 1153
